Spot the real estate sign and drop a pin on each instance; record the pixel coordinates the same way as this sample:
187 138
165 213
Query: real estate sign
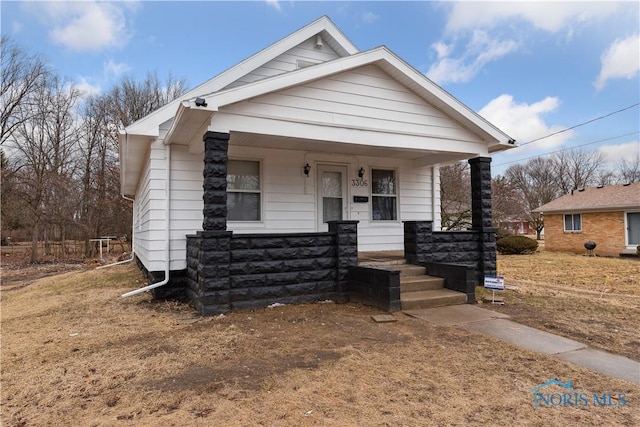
494 282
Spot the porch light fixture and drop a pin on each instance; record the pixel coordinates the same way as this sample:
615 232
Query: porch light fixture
360 172
307 169
201 102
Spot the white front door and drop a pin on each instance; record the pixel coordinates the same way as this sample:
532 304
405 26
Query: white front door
332 194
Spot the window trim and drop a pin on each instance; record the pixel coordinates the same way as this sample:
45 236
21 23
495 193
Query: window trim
573 229
396 195
259 192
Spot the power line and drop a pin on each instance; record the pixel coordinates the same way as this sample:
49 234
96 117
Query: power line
580 124
567 148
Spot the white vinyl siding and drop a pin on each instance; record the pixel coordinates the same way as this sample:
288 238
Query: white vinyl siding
150 201
288 61
186 206
366 99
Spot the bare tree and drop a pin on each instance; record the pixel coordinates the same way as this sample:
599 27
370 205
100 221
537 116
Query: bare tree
132 100
629 169
537 183
577 168
22 75
43 149
455 196
507 202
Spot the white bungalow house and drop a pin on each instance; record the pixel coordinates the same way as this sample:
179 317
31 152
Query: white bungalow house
314 131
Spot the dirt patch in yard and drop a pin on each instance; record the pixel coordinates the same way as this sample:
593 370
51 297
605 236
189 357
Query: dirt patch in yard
75 353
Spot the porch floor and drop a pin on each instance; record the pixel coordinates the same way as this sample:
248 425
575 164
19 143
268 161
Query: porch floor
381 257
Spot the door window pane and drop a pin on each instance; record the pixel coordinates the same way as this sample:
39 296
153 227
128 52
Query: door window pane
332 184
331 209
331 196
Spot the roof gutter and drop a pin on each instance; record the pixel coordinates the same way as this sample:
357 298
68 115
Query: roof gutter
168 234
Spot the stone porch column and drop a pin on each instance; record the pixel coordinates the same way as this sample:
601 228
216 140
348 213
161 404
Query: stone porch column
216 145
481 213
214 251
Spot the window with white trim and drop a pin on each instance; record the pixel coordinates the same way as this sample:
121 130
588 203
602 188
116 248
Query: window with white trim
572 222
243 190
384 200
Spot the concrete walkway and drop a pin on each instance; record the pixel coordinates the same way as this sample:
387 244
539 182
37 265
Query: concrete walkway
487 322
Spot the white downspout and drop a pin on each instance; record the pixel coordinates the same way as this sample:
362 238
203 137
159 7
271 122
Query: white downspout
133 242
168 235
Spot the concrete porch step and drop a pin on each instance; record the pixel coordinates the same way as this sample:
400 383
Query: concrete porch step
420 283
431 298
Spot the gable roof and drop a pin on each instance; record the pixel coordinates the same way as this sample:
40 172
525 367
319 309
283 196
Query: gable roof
604 198
148 125
383 58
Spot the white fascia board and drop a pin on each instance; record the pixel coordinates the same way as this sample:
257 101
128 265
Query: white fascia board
148 125
381 56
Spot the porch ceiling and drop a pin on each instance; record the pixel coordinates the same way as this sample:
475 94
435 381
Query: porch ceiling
421 157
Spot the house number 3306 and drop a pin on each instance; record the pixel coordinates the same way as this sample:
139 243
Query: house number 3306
360 182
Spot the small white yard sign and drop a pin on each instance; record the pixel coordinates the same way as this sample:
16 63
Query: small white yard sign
494 282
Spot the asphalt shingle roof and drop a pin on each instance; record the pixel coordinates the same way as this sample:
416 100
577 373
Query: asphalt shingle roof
609 197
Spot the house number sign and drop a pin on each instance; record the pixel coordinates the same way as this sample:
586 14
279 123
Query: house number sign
360 182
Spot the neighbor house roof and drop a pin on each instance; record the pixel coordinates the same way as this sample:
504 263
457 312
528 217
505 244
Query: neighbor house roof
602 198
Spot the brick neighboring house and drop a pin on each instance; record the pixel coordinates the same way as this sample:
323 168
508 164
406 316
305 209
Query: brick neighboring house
607 215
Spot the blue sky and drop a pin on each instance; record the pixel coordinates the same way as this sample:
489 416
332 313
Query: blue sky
531 68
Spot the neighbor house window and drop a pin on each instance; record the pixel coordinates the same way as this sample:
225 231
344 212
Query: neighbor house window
572 222
243 190
384 200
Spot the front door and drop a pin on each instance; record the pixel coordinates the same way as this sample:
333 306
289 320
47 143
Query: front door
332 194
633 228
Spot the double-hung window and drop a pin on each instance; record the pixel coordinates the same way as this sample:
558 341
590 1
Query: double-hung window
243 190
384 195
572 222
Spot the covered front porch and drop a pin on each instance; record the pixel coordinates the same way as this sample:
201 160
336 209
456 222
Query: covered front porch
229 270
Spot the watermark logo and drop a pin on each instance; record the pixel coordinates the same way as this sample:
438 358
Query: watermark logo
569 396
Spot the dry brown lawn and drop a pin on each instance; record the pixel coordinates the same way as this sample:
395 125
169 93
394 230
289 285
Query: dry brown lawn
75 353
594 300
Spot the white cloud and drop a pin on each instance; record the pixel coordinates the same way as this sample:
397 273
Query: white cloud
479 51
617 152
548 16
114 69
525 122
621 60
87 88
369 17
86 25
16 27
274 4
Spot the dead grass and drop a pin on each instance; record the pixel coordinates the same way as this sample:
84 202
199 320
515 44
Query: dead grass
595 300
74 353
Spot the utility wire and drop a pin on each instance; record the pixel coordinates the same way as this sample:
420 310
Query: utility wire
580 124
567 148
